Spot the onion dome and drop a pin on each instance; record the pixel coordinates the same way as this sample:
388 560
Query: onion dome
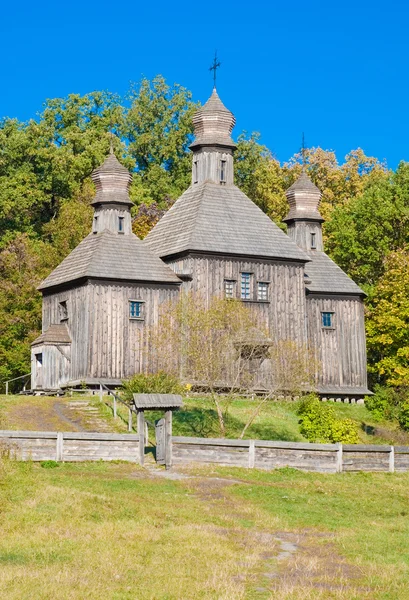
213 124
112 181
304 198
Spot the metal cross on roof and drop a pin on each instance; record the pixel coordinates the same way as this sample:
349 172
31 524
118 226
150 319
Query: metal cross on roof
215 65
303 151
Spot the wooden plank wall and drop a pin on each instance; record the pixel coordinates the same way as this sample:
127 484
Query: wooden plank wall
106 343
70 447
341 351
284 315
260 454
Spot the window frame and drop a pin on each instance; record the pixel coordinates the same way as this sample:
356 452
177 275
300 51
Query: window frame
141 316
249 287
95 224
313 240
233 283
267 286
331 313
121 223
223 170
63 311
195 171
39 362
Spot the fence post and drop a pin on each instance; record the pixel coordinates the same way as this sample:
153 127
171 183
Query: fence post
141 433
100 392
129 419
60 447
7 388
339 458
392 460
114 397
252 453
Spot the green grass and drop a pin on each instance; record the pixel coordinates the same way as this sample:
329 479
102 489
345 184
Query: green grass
115 531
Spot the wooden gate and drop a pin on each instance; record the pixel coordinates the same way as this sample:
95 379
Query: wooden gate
160 434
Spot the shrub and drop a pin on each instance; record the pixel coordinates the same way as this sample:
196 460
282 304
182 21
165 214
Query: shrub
403 415
384 404
153 383
319 423
49 464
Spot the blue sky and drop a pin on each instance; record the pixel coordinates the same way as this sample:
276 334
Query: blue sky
337 71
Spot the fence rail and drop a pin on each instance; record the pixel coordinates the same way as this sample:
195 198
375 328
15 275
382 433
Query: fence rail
71 446
259 454
15 379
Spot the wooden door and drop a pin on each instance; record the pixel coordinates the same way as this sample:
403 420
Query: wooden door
160 434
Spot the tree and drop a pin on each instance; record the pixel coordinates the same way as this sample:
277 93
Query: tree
388 322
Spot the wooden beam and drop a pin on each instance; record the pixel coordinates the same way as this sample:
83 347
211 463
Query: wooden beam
168 439
141 433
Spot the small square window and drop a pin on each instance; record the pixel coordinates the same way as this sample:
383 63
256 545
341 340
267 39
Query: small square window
121 224
327 319
229 288
245 292
63 309
262 291
39 359
135 309
313 241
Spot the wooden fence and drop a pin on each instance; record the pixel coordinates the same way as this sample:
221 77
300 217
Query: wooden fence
259 454
71 447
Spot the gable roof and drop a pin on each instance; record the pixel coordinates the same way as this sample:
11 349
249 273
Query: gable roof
328 277
107 255
210 217
55 334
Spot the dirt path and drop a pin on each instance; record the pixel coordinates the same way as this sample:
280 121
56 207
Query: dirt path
298 565
50 414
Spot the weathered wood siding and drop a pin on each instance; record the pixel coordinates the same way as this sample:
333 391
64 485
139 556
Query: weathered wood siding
341 351
117 344
78 306
106 343
71 447
284 314
56 369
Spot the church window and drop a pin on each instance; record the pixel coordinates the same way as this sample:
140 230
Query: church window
229 288
222 171
195 172
135 309
262 291
313 241
121 224
327 319
63 309
95 229
245 286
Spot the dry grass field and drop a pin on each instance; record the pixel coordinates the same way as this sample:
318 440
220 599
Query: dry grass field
116 531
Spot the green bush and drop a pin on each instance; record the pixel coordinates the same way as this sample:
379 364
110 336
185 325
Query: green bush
152 383
49 464
385 402
319 423
403 415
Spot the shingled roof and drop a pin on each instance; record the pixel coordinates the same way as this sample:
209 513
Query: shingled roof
213 218
327 277
108 256
55 334
213 124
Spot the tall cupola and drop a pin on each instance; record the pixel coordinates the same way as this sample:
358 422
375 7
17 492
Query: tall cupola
304 220
213 146
112 203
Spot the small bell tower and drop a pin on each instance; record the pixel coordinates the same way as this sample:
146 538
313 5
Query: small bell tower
112 203
213 146
304 220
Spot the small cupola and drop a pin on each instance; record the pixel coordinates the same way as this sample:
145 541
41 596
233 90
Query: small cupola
112 203
213 146
304 219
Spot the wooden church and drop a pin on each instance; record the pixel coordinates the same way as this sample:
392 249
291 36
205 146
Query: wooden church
214 241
